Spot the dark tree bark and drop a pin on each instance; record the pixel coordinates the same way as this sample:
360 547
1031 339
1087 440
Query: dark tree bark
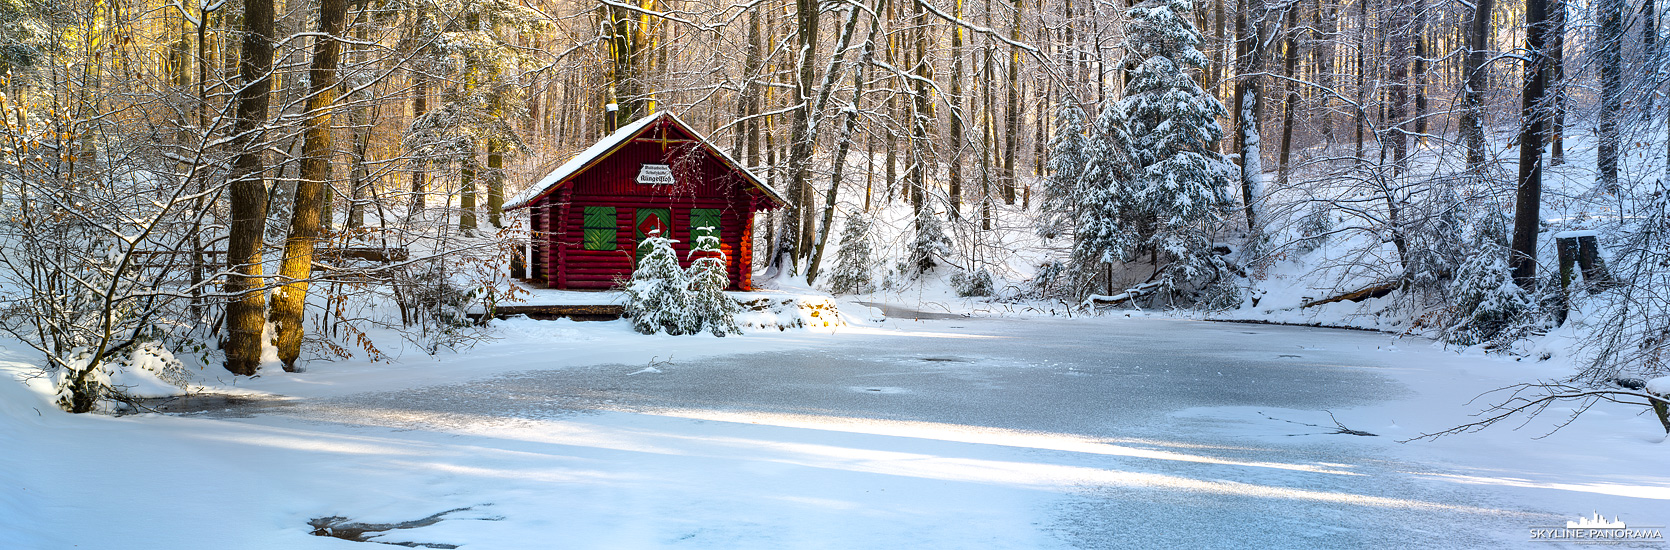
1610 39
495 183
1248 106
290 300
466 194
1527 218
1290 103
420 167
1557 84
1478 77
245 314
954 175
1362 74
1420 73
1397 102
1012 115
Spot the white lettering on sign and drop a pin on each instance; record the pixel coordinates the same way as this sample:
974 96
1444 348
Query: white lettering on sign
655 174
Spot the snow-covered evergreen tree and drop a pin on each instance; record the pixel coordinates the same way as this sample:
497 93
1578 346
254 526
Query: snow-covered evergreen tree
854 259
1069 152
710 308
1484 299
930 241
1111 221
657 296
1171 124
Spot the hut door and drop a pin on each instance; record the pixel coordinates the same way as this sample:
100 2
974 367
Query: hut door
654 221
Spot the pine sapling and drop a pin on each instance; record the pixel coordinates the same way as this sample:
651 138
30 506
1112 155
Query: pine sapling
710 308
854 259
657 298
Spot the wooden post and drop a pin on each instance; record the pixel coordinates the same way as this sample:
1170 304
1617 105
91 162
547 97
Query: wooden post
1567 248
1594 268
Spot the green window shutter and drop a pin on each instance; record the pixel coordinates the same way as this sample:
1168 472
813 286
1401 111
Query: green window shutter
600 227
704 222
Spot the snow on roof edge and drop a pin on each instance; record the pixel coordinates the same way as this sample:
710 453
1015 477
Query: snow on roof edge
609 143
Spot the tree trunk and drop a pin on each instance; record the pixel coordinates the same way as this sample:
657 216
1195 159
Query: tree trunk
954 176
1249 107
1327 20
420 167
1362 74
1478 77
1610 41
1290 103
922 115
245 315
849 127
1397 102
988 127
800 134
290 300
1011 123
1526 220
1557 83
495 184
359 181
466 194
1420 74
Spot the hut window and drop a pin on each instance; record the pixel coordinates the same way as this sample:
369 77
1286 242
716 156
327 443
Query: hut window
600 228
704 222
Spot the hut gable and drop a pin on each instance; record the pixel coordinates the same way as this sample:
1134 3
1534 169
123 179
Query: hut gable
643 130
655 175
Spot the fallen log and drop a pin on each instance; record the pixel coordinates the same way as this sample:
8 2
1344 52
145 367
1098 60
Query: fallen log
594 312
1372 291
1129 294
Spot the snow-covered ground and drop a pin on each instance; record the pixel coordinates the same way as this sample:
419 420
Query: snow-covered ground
986 432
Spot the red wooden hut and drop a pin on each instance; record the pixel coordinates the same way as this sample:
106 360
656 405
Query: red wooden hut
653 175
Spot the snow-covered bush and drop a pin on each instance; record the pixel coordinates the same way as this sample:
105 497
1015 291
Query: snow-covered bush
978 283
1436 246
112 380
1484 300
1049 278
433 306
855 258
657 295
1315 227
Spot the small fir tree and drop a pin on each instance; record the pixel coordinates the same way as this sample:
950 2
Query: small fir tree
930 242
854 259
710 308
1483 296
1063 191
657 296
1111 222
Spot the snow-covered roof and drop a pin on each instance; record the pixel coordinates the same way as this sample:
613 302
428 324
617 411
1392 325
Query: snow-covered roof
609 144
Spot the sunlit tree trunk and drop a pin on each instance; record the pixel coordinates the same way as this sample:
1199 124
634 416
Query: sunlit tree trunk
289 300
245 314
